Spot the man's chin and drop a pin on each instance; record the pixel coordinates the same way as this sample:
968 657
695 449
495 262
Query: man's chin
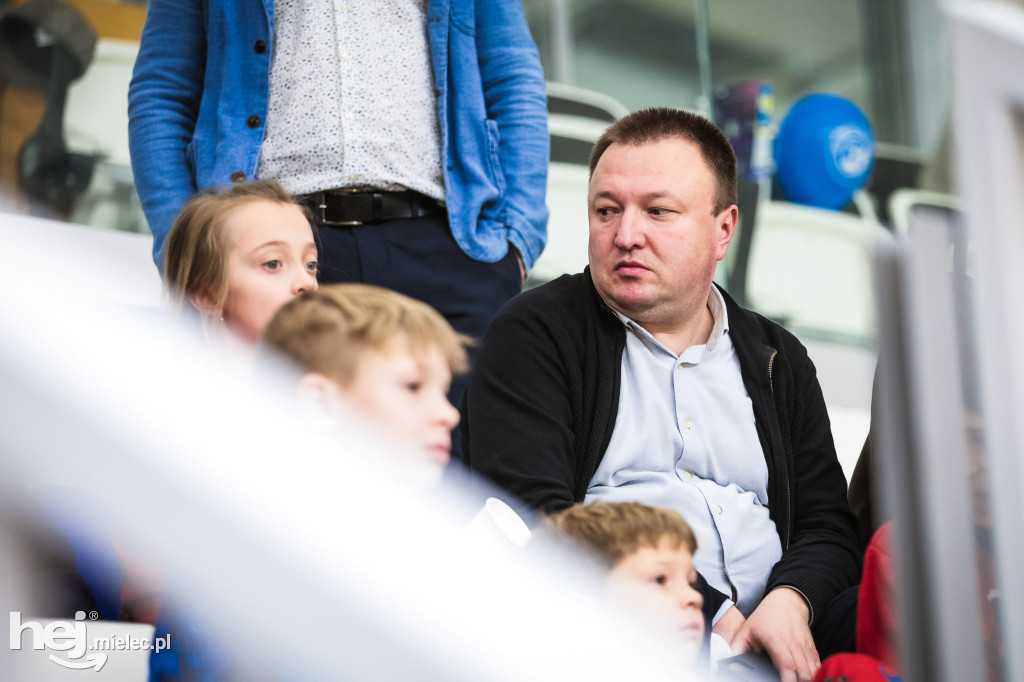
631 303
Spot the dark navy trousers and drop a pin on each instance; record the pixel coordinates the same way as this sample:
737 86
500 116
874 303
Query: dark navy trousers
418 257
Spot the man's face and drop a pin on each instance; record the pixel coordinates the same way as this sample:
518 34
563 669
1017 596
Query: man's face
654 236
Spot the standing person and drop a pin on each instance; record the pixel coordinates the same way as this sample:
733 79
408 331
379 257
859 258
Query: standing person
639 380
415 130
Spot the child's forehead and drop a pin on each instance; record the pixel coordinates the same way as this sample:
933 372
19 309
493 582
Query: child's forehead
666 547
401 348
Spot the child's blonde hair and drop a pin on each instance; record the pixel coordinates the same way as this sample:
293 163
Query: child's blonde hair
615 530
195 260
327 331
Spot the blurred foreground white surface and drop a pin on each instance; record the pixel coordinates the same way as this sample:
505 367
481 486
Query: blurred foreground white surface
313 556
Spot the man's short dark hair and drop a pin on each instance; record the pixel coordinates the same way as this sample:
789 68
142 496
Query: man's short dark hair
660 123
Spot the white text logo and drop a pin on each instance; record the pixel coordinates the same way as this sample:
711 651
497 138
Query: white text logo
73 638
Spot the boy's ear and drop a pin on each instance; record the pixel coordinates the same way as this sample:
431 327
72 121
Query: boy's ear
317 389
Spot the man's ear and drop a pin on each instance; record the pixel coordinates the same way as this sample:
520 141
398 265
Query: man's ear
726 223
316 389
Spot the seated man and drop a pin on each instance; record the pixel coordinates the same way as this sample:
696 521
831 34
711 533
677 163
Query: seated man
638 380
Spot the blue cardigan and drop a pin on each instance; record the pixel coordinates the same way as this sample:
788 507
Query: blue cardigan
204 69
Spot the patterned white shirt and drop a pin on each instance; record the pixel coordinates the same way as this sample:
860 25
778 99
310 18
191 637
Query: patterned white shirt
352 100
685 439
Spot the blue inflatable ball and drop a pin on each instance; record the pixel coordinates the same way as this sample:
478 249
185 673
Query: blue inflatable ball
824 151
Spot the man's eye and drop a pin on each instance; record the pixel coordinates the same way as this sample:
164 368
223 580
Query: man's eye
272 265
313 266
413 386
658 211
661 579
603 212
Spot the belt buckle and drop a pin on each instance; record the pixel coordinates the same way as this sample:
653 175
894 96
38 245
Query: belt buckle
322 205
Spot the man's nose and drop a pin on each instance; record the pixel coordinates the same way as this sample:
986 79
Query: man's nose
629 232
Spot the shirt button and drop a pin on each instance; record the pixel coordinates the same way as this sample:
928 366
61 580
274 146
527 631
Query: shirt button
260 47
352 177
253 121
728 569
689 475
688 423
349 115
345 58
342 7
718 509
238 176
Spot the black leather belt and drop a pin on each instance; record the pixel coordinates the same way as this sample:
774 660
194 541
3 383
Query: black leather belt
352 207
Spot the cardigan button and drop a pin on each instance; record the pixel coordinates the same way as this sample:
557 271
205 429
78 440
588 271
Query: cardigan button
260 47
253 121
238 176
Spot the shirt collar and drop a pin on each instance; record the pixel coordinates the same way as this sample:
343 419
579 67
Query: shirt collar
716 304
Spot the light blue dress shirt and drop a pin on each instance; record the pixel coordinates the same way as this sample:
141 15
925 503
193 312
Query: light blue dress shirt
685 439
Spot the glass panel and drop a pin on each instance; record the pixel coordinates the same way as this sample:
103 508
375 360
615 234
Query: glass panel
644 52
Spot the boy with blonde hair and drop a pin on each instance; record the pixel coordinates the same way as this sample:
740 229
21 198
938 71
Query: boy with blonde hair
649 553
390 356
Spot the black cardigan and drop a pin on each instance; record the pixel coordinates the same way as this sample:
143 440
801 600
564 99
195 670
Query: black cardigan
541 405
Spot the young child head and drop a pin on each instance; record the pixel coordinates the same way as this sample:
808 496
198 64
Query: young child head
649 551
238 255
389 355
